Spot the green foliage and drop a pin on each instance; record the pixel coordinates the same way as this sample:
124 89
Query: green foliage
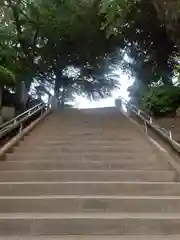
73 38
162 100
145 39
150 35
116 12
40 40
6 77
46 37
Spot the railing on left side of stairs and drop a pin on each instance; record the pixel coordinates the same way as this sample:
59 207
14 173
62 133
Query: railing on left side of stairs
19 120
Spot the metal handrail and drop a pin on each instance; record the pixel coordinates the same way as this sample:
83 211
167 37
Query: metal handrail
137 110
148 120
20 119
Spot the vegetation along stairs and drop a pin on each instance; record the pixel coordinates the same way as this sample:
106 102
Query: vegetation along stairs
88 174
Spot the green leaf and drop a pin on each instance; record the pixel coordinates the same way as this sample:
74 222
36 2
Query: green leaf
6 77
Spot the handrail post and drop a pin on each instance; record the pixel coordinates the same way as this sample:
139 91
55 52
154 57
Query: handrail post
118 104
170 134
21 127
146 128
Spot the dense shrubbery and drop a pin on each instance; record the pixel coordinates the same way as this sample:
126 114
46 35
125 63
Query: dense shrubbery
162 100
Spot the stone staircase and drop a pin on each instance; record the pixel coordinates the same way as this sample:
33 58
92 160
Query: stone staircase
85 175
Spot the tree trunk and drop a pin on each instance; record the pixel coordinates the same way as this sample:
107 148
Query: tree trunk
1 103
24 95
1 96
18 90
63 97
57 85
21 96
168 13
28 82
56 88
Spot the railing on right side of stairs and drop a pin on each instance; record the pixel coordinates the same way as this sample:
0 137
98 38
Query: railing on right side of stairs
149 121
18 121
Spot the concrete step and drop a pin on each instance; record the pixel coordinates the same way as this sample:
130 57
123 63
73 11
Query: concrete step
87 175
67 138
90 188
64 142
94 237
124 139
89 223
89 204
94 174
82 148
84 165
79 156
96 133
103 141
28 141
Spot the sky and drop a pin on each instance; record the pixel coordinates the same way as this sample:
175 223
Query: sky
125 82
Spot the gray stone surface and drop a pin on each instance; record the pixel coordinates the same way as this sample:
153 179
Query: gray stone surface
8 113
89 172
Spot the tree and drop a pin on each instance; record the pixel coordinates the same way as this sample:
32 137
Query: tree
7 79
169 13
19 43
145 39
46 38
52 36
71 37
152 52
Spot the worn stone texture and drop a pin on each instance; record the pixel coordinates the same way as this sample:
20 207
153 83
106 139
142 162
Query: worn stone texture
88 174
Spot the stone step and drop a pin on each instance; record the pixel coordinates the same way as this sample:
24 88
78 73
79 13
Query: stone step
79 156
89 223
90 188
89 204
97 133
98 137
55 143
94 237
73 130
84 165
62 141
87 175
101 150
82 148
